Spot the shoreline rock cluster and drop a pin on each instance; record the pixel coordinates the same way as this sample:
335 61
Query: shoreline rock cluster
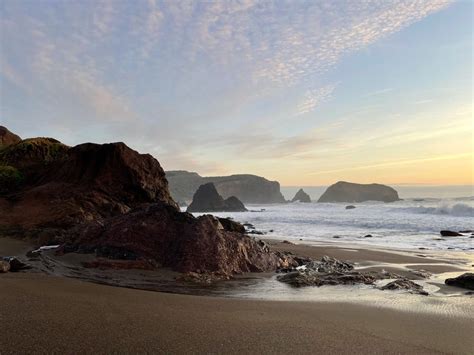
330 271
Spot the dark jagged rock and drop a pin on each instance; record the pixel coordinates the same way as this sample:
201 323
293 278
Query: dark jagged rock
247 188
231 226
308 277
7 137
405 284
328 264
329 271
446 233
464 281
177 240
301 196
350 207
350 192
207 199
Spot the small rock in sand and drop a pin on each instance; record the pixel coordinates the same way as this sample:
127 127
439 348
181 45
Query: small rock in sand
15 264
422 273
405 284
350 207
464 281
287 242
368 236
4 266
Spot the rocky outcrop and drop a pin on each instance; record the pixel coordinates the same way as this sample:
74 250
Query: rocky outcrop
62 187
111 201
177 240
7 137
207 199
464 281
350 192
247 188
301 196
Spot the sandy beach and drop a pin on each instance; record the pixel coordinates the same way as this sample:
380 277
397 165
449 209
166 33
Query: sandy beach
46 313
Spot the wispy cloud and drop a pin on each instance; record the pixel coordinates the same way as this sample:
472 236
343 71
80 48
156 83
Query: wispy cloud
171 73
315 97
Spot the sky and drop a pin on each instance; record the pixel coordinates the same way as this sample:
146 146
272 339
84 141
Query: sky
303 92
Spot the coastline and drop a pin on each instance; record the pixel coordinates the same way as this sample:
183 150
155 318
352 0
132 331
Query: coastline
121 319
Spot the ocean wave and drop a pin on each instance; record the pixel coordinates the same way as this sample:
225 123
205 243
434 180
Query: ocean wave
457 209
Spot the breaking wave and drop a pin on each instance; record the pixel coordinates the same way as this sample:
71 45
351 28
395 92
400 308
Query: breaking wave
458 209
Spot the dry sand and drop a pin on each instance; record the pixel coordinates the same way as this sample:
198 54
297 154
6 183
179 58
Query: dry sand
48 314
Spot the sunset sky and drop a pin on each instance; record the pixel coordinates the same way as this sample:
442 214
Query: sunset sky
304 92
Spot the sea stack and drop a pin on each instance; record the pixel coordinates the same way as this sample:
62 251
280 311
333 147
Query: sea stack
301 196
343 191
207 199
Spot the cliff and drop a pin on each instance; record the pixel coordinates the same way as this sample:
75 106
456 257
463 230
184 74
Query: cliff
350 192
247 188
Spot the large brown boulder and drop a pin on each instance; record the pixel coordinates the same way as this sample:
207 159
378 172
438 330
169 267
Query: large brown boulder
207 199
7 137
160 233
343 191
66 186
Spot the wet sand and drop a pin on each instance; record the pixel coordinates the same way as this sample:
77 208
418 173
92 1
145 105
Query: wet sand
43 313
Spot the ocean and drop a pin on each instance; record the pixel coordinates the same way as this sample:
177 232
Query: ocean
412 223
